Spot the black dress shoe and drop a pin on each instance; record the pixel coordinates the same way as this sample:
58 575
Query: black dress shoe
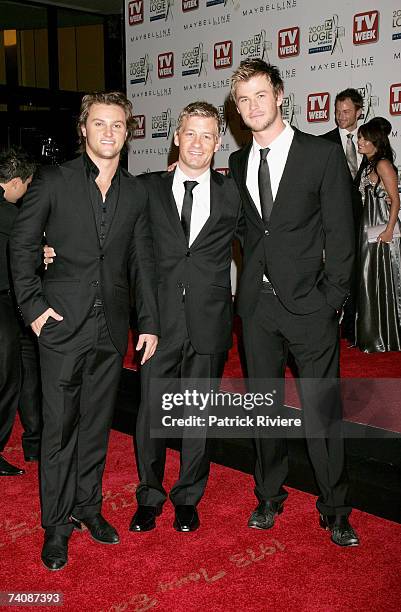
264 515
342 533
186 518
144 518
55 552
6 469
99 528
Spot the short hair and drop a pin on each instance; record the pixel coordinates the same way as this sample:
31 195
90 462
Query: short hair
16 163
200 109
254 67
117 98
351 93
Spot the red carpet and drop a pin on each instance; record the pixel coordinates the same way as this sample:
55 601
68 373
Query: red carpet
224 567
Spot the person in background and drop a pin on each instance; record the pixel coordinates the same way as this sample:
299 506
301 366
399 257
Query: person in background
16 170
348 111
378 313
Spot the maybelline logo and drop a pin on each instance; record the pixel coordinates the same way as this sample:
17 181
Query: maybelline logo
370 101
166 33
256 47
318 107
223 54
395 99
162 125
290 109
223 119
189 5
366 28
355 63
165 65
396 24
326 36
194 61
140 129
160 9
288 42
279 5
135 12
139 71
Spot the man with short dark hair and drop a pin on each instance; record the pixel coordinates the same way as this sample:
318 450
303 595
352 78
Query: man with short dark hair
95 215
16 170
348 110
295 190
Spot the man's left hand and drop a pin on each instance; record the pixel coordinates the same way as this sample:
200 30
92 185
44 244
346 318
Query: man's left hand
150 341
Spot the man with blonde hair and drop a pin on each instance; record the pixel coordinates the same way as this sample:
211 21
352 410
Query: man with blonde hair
195 213
95 215
296 191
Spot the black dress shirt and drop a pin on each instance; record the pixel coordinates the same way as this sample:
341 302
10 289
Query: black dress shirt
103 210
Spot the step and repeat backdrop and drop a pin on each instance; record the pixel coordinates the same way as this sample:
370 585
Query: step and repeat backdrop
178 51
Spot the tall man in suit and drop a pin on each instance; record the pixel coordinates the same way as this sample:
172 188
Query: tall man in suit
95 214
348 110
295 190
194 214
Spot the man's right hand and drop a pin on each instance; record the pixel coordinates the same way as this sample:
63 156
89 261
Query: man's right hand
48 254
38 323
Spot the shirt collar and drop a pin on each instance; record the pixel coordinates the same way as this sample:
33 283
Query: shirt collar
277 143
201 179
92 171
344 132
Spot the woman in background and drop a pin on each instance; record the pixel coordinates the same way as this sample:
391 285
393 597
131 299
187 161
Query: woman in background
378 318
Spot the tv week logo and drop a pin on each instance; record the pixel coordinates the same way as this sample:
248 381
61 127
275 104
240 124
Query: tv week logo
288 42
139 130
189 5
366 28
165 65
223 54
135 12
318 107
395 99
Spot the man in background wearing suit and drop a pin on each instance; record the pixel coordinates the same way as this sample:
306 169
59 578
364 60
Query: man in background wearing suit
348 110
194 214
95 215
295 190
16 170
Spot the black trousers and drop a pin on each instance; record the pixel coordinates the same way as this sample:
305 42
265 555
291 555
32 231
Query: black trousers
10 367
30 397
313 340
79 391
177 360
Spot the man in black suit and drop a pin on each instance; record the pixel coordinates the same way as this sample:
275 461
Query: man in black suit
16 170
295 190
348 110
95 215
194 214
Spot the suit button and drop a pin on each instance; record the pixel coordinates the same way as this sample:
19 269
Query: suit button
180 285
188 254
101 257
95 283
267 233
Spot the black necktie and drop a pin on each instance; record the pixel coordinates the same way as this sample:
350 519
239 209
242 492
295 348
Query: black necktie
187 208
265 188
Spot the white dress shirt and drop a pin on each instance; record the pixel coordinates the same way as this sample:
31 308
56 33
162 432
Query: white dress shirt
276 158
201 199
343 136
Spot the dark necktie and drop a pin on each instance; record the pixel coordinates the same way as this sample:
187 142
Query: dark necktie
265 188
187 208
350 154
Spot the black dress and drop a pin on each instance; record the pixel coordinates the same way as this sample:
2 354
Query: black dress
378 316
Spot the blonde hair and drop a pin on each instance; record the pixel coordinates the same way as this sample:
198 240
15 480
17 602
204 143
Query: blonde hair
200 109
255 67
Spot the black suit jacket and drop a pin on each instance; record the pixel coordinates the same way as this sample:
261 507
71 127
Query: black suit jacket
58 204
334 136
203 269
311 214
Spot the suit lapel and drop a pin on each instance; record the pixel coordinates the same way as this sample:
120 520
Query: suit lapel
242 172
76 183
169 204
216 199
